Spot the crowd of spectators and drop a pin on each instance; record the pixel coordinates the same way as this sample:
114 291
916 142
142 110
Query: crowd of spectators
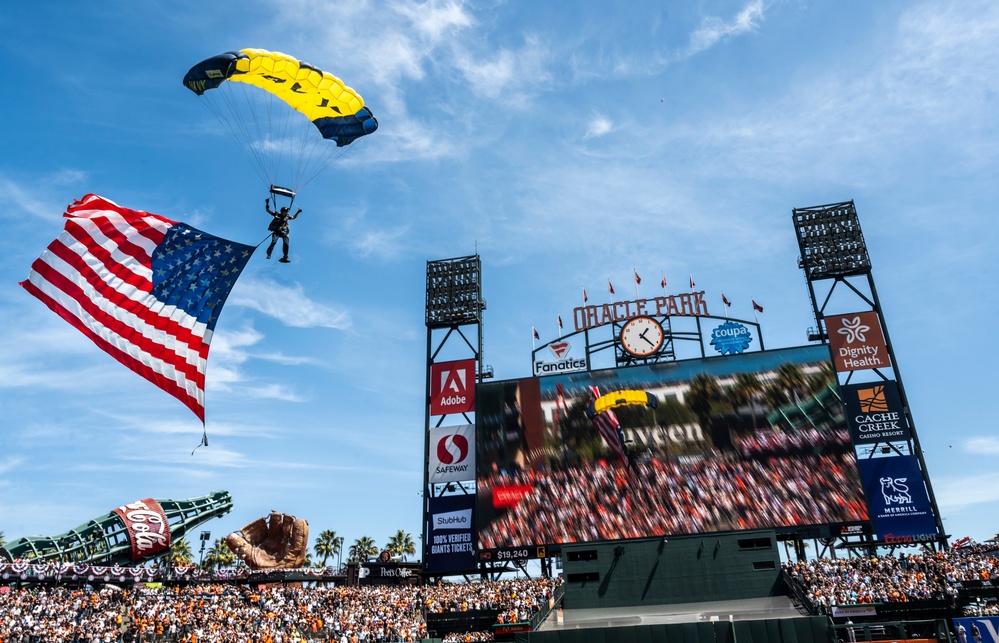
891 579
229 613
667 496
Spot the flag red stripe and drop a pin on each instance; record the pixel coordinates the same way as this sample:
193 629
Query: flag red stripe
97 276
125 359
175 360
123 301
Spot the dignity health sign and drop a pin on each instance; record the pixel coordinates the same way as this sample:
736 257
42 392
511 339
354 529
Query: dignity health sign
857 342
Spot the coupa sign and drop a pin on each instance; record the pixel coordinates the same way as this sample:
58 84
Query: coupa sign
563 362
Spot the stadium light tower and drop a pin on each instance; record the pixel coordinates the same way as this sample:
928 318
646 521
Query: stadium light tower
454 332
835 260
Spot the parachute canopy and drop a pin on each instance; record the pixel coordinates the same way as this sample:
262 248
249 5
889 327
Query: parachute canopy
615 399
288 115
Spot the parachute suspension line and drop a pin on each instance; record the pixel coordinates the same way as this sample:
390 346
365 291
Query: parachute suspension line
236 127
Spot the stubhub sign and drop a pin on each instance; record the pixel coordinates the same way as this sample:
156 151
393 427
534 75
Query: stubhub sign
453 520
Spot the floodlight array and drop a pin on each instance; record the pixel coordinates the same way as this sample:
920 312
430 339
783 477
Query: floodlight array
831 241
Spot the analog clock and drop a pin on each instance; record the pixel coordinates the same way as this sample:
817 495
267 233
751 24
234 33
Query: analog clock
642 336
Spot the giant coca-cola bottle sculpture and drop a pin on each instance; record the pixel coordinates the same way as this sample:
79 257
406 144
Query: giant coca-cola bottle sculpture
127 535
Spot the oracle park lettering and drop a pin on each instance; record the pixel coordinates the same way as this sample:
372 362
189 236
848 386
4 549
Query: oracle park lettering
683 305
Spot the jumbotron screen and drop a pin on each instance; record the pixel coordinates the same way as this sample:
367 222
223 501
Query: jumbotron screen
726 443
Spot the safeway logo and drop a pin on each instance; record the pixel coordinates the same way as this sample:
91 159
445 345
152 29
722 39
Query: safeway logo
452 387
452 449
560 349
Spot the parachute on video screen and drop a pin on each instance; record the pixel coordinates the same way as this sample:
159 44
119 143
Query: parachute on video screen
615 399
290 119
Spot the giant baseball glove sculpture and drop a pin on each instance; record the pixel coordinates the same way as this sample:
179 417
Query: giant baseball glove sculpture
279 541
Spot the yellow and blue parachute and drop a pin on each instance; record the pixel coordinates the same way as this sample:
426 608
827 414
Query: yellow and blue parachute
291 119
615 399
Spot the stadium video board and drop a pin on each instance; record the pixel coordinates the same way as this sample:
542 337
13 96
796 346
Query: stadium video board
729 443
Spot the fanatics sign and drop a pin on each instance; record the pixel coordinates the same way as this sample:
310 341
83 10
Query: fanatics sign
857 342
452 387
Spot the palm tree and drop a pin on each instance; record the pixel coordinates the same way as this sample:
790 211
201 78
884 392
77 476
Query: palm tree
747 387
180 552
401 544
791 379
219 555
704 392
327 545
362 548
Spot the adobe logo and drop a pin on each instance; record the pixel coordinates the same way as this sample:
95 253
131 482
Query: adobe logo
452 387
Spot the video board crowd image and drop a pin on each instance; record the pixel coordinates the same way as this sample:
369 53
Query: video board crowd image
727 443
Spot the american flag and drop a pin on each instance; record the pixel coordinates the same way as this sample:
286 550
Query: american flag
725 300
758 308
609 428
147 290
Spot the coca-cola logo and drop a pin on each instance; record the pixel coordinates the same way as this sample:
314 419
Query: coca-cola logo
452 449
148 529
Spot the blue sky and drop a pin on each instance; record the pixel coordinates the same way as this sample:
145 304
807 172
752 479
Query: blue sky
566 147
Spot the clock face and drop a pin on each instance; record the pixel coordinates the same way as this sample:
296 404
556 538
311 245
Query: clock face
642 336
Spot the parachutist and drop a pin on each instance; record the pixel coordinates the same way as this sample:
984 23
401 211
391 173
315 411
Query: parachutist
279 228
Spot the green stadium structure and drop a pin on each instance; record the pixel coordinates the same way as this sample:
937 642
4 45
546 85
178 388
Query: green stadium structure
127 535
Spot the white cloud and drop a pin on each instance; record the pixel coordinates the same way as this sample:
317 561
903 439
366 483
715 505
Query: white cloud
982 446
9 464
287 304
598 126
713 29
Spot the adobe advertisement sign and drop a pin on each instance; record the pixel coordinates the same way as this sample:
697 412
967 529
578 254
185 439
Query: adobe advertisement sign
896 495
148 529
452 387
857 342
452 453
451 534
874 412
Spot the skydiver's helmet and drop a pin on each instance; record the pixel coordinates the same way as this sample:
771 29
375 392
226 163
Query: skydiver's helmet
284 210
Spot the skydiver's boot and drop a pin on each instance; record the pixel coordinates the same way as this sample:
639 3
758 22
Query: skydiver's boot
284 260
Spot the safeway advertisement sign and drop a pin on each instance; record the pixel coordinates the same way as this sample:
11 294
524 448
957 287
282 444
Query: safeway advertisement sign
452 387
452 453
857 342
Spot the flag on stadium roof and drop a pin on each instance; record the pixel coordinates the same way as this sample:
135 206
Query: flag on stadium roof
147 290
758 308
